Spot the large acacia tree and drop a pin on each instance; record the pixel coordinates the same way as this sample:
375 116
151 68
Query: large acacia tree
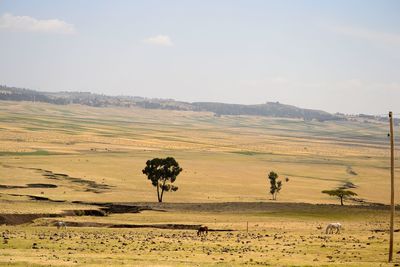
162 173
340 193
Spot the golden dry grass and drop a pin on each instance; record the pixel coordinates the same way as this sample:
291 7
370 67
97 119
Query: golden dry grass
288 239
224 159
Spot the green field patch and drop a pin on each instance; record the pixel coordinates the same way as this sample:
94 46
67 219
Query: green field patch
21 264
248 153
328 213
31 153
34 129
313 177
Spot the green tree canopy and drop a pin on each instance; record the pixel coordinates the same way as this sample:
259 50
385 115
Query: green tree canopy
340 193
276 185
162 173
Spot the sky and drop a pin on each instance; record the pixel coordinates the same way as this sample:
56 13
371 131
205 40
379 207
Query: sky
337 56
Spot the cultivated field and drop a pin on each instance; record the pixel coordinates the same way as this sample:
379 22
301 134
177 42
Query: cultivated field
53 156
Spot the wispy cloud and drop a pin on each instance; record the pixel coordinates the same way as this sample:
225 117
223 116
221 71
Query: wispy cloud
10 22
162 40
367 34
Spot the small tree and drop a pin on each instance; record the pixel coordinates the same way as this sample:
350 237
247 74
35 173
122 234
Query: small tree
276 185
340 193
162 172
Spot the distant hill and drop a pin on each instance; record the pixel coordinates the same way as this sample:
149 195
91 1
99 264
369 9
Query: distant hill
270 109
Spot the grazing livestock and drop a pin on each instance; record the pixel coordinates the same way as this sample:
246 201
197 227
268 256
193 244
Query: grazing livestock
203 230
333 226
61 225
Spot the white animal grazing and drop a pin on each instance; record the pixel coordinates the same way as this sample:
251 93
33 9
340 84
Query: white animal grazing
61 225
333 226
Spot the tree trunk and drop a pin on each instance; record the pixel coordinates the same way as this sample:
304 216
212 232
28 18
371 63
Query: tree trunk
158 193
162 191
341 201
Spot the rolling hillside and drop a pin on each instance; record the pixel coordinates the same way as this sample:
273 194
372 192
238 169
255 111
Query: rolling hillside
269 109
223 158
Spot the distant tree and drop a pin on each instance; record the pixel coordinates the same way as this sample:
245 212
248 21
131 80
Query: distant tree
340 193
162 173
276 185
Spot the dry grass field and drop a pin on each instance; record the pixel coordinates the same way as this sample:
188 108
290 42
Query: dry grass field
52 156
278 235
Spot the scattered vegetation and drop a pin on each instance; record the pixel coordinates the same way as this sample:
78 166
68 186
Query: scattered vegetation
347 185
31 153
350 170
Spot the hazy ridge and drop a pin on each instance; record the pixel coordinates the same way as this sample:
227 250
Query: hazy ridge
269 109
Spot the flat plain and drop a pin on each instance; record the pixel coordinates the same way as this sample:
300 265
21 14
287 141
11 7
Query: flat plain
68 160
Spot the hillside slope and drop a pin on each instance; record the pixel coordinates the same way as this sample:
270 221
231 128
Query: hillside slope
97 154
269 109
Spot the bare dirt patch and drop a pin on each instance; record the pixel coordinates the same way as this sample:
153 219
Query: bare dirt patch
16 219
243 207
91 186
36 185
168 226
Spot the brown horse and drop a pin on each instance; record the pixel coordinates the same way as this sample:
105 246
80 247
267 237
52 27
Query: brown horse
203 230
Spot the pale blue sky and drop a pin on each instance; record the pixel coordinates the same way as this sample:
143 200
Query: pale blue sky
339 56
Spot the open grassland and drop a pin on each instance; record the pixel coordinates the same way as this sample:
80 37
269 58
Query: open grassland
278 235
224 158
63 161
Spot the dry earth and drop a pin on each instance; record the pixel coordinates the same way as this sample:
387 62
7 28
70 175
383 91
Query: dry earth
278 234
68 162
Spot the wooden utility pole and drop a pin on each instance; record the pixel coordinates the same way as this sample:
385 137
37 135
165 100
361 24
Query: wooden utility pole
391 187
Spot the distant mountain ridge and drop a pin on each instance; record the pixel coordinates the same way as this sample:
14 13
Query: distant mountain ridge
270 109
